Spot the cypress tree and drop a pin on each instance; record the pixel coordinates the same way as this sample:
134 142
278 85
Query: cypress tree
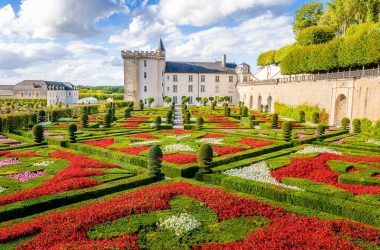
302 116
38 133
84 121
107 121
356 124
252 121
287 130
345 124
199 122
72 128
275 121
157 123
41 116
154 162
54 116
315 117
205 155
169 117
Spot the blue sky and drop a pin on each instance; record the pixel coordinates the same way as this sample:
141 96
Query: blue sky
80 40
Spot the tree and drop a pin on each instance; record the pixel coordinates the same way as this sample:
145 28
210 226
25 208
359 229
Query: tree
169 117
251 121
185 99
308 15
72 128
340 14
198 99
141 104
227 111
187 117
41 116
154 162
205 155
220 99
315 117
315 35
204 101
107 120
321 130
54 116
275 121
302 116
84 120
127 113
157 123
150 101
199 122
287 130
356 124
211 98
167 99
244 111
38 133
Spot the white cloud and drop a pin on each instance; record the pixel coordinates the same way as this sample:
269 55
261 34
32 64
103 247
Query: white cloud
201 12
83 49
7 17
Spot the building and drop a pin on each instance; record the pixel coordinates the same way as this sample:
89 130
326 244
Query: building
148 74
54 92
6 91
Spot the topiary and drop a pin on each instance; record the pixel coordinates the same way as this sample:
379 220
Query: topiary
302 116
54 116
154 162
251 121
275 121
227 111
85 110
357 127
127 113
38 133
205 155
141 104
244 111
72 128
169 117
315 35
345 124
315 117
187 117
199 122
41 117
261 108
84 121
287 130
157 122
266 107
321 130
107 120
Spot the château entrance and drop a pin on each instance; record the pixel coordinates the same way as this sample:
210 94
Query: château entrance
341 107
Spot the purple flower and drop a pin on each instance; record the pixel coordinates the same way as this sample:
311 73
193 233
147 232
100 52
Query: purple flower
7 162
26 175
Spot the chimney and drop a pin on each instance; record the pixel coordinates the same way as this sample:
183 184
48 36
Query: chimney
224 61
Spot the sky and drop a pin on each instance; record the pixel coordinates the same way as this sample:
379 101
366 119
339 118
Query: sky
79 41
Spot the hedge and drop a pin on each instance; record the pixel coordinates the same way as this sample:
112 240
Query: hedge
266 58
315 35
293 111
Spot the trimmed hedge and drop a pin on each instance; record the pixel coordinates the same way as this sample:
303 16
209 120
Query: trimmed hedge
294 111
315 35
266 58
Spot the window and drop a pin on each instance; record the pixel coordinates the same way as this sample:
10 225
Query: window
217 88
190 88
217 78
167 77
174 99
22 94
203 78
145 75
145 88
144 63
168 89
175 78
231 79
175 88
145 102
245 79
190 78
203 89
230 99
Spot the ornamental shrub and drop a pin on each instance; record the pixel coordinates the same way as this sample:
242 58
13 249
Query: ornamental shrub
315 117
251 121
187 117
266 108
41 116
315 35
38 133
157 122
84 121
205 156
275 121
127 113
356 124
199 122
169 117
213 104
287 130
245 111
141 104
154 162
345 124
261 107
54 116
227 111
85 110
321 129
107 120
266 58
302 117
72 128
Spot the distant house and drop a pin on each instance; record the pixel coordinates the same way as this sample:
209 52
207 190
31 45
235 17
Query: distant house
88 100
6 91
54 92
268 73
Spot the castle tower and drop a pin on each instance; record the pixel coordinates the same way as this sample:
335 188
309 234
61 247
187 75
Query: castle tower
144 74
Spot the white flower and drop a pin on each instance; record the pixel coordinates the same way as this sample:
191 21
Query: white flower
2 189
373 141
179 137
258 172
218 141
65 119
312 149
144 142
178 147
42 164
180 224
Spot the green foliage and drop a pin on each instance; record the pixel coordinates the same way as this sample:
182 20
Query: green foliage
169 117
321 129
187 117
294 111
41 116
251 121
204 101
167 99
84 121
287 130
205 155
227 111
199 122
154 162
157 122
54 116
244 111
38 133
266 58
283 52
307 16
72 128
275 121
141 105
315 117
345 124
356 124
315 35
261 108
302 117
107 120
150 101
127 113
185 99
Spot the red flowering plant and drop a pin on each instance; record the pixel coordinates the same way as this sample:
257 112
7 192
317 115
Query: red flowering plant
177 131
228 124
214 118
134 150
180 158
101 143
138 119
255 143
226 150
216 136
143 136
130 124
70 178
20 154
317 169
68 229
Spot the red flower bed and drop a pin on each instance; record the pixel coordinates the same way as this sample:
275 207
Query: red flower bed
70 178
228 150
214 118
255 143
180 158
213 136
130 124
67 230
133 151
194 112
317 169
228 125
376 175
101 143
14 154
138 119
143 136
63 125
177 131
92 118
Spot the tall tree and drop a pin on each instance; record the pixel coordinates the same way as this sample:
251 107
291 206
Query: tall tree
340 14
308 15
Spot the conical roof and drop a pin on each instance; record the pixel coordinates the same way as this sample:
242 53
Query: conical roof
160 47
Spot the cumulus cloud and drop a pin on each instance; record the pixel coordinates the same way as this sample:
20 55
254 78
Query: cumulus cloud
201 12
83 49
7 17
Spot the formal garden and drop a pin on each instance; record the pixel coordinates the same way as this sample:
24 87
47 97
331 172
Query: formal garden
119 176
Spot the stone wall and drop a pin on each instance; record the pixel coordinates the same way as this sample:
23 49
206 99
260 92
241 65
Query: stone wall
352 98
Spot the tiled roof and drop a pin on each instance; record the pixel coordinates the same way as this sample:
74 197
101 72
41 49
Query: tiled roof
200 67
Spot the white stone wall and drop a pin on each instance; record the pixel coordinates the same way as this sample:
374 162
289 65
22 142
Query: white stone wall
151 80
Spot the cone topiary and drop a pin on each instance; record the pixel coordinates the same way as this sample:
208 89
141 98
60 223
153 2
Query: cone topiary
72 128
169 117
38 133
127 113
315 117
54 116
84 121
41 117
141 104
302 117
157 122
357 126
187 117
275 121
266 108
85 110
245 111
321 130
287 130
205 155
154 162
261 108
227 111
107 120
199 122
345 124
251 120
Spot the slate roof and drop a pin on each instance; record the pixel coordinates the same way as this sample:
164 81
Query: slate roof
200 67
40 84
